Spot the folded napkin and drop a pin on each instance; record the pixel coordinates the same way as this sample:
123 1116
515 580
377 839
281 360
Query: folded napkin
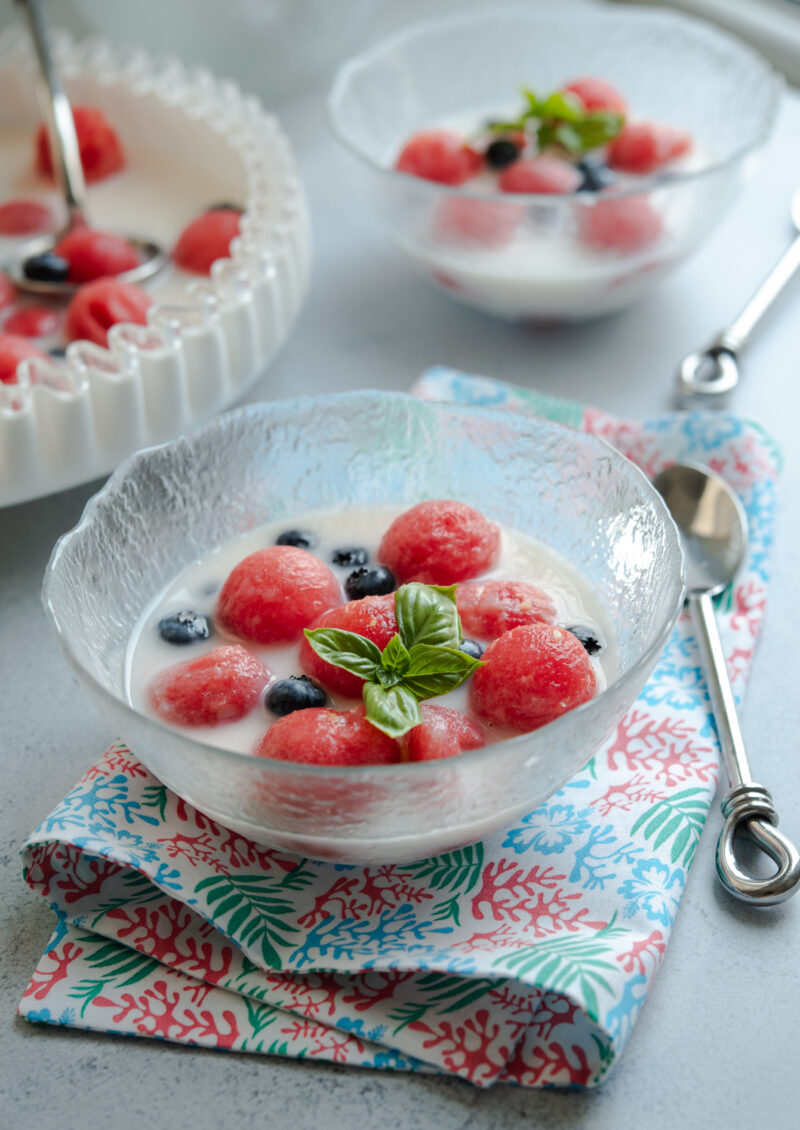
525 958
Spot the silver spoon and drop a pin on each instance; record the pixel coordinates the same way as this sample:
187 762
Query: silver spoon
713 531
69 175
706 378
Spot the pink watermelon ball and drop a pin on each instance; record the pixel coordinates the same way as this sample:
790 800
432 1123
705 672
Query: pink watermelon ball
273 594
444 733
541 175
373 617
440 156
597 94
533 674
95 254
319 736
104 303
25 217
13 350
207 239
439 543
221 686
623 225
643 147
489 608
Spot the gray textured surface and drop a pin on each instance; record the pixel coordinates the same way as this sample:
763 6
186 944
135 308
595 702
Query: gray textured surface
716 1044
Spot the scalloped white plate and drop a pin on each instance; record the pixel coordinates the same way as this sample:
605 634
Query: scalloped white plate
192 141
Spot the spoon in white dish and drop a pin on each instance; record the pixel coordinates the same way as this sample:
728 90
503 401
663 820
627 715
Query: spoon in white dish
713 530
706 378
69 178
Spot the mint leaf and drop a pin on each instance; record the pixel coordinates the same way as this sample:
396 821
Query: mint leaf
395 656
346 649
393 710
564 106
427 614
437 670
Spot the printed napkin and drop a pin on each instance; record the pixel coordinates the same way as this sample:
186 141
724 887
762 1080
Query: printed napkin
523 959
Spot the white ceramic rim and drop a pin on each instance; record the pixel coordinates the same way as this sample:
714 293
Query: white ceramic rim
272 253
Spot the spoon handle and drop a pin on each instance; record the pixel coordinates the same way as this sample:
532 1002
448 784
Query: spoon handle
60 123
747 807
709 376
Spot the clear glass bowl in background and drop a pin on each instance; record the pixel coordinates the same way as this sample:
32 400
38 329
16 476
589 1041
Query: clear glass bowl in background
531 257
171 505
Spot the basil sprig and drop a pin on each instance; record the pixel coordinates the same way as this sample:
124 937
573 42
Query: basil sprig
562 119
420 661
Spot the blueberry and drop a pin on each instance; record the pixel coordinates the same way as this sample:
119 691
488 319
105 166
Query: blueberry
184 627
596 176
47 267
297 692
589 637
371 580
225 207
302 539
501 153
59 352
352 555
471 647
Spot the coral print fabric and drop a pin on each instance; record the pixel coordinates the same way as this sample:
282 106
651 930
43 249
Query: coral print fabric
524 959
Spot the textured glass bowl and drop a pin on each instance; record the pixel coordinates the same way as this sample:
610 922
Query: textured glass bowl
523 256
168 506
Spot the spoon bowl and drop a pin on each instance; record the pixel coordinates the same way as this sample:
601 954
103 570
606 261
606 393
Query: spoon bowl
68 171
712 523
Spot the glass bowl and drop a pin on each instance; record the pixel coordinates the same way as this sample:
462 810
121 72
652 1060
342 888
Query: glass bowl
168 506
538 257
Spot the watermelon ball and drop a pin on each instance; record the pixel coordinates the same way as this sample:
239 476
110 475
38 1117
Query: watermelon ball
532 675
207 239
221 686
489 608
102 304
597 94
274 593
439 543
444 732
623 224
373 617
95 254
25 217
13 350
643 147
100 149
482 223
440 156
32 321
540 175
8 292
319 736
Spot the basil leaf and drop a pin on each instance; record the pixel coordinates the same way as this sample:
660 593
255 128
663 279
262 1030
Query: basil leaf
564 106
427 614
395 656
570 137
344 649
388 678
395 710
437 670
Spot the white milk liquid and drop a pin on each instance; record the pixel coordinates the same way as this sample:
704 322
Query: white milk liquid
197 588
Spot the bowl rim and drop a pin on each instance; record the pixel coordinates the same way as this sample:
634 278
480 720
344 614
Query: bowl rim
356 772
647 15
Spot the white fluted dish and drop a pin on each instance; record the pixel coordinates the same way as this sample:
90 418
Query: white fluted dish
70 420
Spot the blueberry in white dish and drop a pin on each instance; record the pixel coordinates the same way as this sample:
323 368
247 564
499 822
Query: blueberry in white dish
589 637
350 556
370 580
185 626
301 539
298 692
